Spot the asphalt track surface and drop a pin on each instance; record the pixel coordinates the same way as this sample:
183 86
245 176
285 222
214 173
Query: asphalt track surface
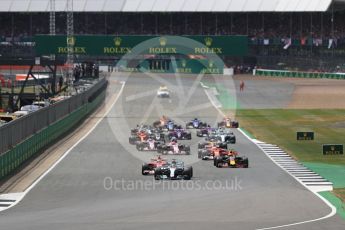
74 196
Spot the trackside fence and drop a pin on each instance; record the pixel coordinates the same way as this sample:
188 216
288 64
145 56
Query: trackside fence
20 129
297 74
53 124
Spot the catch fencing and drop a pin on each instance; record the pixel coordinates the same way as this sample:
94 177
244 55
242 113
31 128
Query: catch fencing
15 132
28 148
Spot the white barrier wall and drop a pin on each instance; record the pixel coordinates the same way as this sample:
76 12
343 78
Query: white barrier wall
228 71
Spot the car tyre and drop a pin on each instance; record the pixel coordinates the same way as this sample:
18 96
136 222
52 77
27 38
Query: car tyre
143 168
188 173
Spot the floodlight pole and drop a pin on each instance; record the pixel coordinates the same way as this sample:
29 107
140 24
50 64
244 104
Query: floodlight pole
52 32
52 18
332 28
70 42
201 32
216 24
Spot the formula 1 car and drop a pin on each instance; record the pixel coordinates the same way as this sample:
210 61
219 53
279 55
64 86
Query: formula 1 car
163 92
168 125
180 134
158 136
138 137
141 128
228 123
149 145
231 161
149 168
224 136
204 132
173 170
162 122
149 130
174 149
196 124
209 153
212 143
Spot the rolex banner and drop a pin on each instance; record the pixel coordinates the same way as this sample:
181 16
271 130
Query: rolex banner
305 136
330 149
120 45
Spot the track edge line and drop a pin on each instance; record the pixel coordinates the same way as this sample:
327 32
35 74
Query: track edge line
23 194
333 209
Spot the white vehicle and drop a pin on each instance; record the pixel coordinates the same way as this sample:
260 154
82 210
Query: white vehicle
30 108
26 109
41 104
57 99
2 122
20 113
163 92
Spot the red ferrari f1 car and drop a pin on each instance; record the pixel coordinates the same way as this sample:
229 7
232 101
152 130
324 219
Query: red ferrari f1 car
149 167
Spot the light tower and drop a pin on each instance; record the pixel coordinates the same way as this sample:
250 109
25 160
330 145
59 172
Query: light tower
52 32
70 41
52 17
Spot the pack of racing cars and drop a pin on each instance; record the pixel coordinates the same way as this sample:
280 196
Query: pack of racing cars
164 136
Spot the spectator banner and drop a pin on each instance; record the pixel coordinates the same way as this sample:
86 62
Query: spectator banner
297 74
120 45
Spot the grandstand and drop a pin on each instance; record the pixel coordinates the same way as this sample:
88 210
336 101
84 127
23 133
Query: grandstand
307 34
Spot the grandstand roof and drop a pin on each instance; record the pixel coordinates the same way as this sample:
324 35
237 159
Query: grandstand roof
169 5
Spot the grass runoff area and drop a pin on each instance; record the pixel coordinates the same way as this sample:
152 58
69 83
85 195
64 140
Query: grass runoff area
279 126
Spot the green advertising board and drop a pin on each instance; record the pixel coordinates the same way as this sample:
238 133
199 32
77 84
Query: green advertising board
332 149
296 74
305 136
120 45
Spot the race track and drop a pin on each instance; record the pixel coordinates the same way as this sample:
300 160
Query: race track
85 190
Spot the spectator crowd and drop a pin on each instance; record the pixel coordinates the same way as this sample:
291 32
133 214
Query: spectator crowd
316 29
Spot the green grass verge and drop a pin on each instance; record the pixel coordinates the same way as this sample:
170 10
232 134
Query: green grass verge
224 97
340 206
331 172
279 126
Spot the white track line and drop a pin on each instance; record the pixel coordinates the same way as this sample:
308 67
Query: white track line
20 196
257 142
333 209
